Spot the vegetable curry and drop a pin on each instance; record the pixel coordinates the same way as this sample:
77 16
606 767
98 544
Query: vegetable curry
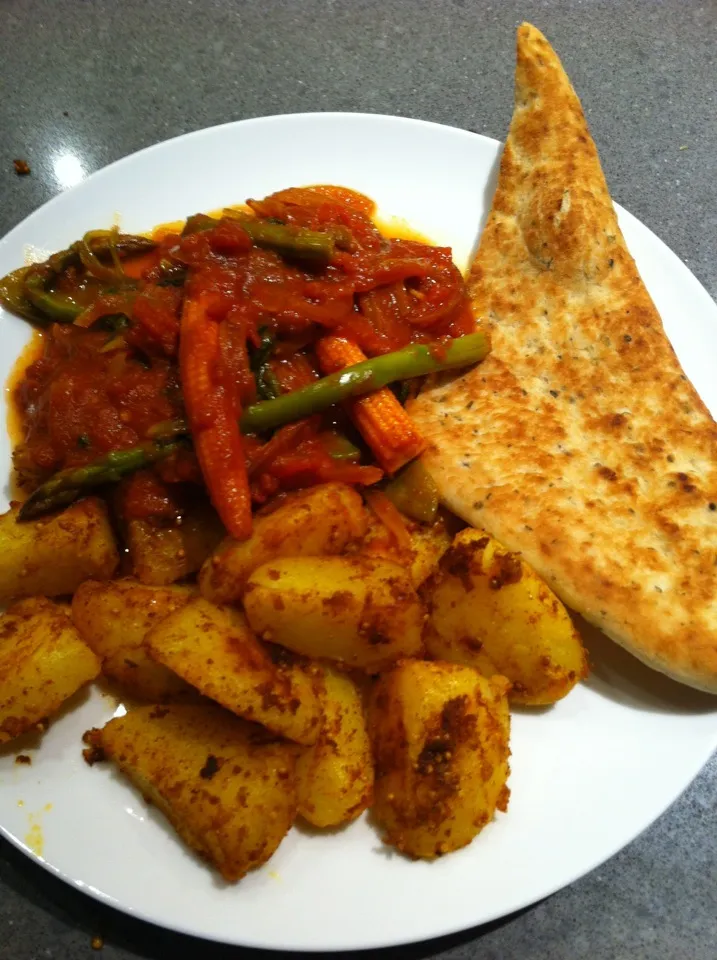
210 357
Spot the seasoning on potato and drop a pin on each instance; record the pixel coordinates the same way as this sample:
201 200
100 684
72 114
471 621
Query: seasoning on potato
43 662
427 542
440 740
227 789
489 609
361 611
52 556
113 618
335 776
320 521
214 650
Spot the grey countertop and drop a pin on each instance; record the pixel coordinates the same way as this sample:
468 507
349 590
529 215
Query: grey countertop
102 79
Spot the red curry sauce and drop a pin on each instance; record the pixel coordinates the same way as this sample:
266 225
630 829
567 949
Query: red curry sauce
96 390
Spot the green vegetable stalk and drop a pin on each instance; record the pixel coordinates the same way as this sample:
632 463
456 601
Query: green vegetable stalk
365 377
414 492
69 485
414 361
294 243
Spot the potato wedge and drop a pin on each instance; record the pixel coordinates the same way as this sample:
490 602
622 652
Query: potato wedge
113 619
440 735
228 791
335 776
319 521
214 650
429 541
53 555
162 555
489 609
43 662
362 611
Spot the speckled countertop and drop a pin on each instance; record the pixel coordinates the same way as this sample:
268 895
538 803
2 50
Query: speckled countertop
97 80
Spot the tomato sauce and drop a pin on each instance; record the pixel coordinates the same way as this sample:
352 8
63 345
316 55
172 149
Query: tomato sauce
104 382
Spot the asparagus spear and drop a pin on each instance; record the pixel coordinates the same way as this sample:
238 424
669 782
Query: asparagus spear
294 243
12 296
365 377
100 243
69 485
413 361
53 307
27 292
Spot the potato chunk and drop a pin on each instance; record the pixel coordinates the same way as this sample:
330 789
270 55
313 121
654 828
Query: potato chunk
162 555
489 609
228 791
335 776
314 522
440 741
53 555
114 617
214 650
43 662
362 611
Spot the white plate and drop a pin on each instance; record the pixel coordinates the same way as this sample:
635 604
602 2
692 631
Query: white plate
588 774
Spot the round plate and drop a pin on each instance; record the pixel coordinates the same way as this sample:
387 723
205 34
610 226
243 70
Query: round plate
587 775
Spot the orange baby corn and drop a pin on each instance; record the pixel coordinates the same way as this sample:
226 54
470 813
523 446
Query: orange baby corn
211 412
382 421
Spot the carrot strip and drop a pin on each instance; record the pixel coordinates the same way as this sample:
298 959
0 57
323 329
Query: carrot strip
212 418
382 421
390 517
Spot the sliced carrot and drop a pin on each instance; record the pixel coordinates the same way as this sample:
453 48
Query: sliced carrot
390 517
382 421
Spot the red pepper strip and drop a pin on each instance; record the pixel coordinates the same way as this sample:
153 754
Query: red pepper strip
311 463
212 419
285 437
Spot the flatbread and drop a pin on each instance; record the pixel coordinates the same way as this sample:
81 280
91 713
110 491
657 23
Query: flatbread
580 441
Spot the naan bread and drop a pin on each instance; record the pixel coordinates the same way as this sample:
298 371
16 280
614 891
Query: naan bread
579 441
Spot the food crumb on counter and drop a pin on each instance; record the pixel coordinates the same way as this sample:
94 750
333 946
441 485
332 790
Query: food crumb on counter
97 943
22 167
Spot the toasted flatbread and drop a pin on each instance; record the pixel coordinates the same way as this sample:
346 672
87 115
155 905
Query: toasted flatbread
580 441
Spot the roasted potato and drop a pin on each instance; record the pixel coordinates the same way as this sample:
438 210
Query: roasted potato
53 555
314 522
489 609
214 650
440 736
362 611
113 619
429 541
228 790
160 555
335 776
43 662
